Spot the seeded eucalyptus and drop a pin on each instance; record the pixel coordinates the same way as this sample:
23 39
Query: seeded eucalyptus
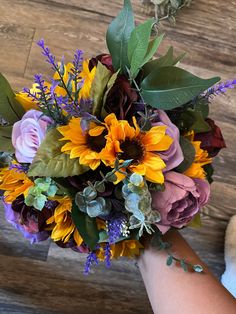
167 9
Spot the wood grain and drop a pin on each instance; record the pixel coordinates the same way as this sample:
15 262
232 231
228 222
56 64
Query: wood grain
207 31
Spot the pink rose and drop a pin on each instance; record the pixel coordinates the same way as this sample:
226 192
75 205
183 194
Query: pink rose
174 155
28 134
180 201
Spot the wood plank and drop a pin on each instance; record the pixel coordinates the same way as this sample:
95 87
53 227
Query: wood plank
60 286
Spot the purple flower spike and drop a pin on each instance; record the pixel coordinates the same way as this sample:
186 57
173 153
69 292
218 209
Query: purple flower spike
220 88
50 58
107 253
91 259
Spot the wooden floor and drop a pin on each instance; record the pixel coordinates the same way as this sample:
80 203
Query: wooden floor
45 279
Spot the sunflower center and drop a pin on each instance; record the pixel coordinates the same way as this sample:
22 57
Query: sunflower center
132 149
96 143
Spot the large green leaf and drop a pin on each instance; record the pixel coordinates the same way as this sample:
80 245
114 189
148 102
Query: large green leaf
118 35
5 139
171 87
99 84
138 46
51 162
167 60
10 109
86 226
188 152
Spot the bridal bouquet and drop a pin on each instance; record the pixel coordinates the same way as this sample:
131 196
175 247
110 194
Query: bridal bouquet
110 149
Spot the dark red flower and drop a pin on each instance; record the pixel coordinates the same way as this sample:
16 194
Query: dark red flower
211 141
105 59
120 99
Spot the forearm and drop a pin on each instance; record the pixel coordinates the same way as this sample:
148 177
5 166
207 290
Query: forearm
171 290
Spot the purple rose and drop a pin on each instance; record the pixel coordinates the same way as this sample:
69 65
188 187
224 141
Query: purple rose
28 134
14 218
174 155
180 201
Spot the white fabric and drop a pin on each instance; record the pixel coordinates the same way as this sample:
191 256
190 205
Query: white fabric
228 279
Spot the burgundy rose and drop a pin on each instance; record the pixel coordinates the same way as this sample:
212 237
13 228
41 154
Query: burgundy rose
30 231
120 99
211 141
174 155
180 201
105 59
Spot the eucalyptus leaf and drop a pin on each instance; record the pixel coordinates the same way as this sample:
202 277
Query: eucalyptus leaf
138 46
10 109
86 226
118 35
99 84
51 162
171 87
188 152
5 139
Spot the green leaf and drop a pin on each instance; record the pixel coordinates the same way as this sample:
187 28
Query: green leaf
169 260
51 162
152 48
138 46
86 226
193 120
164 61
5 139
99 85
183 265
10 109
118 35
209 172
188 152
196 221
172 87
203 107
109 86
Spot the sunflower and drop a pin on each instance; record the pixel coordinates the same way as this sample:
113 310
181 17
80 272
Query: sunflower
14 183
88 146
62 225
126 248
87 77
130 143
201 159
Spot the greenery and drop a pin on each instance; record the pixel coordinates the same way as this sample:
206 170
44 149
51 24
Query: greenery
167 9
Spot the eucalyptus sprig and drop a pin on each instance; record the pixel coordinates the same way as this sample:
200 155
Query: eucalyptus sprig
159 244
167 9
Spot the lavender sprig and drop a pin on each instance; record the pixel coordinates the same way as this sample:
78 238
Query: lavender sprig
114 229
220 88
20 167
50 58
107 254
91 259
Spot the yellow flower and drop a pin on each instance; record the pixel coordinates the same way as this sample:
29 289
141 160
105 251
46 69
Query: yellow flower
129 142
87 146
126 248
87 77
63 226
14 183
201 158
27 102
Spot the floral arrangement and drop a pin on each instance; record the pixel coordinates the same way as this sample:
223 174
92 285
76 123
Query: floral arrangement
110 149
